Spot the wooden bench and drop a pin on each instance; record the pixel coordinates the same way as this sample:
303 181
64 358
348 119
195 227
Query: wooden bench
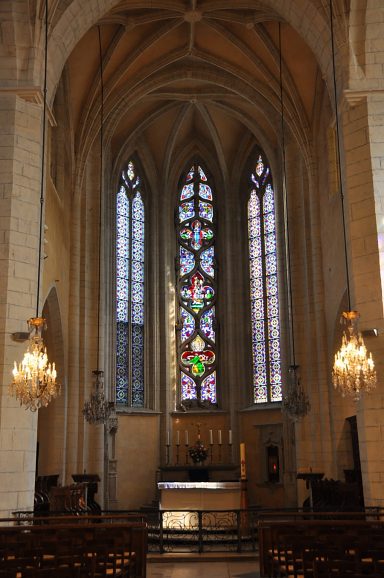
70 546
321 548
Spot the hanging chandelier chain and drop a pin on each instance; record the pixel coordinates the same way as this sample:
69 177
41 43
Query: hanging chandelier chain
295 403
97 409
338 146
285 201
100 191
42 156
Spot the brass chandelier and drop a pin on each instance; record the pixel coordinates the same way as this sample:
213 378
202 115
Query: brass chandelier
34 379
97 409
295 403
353 370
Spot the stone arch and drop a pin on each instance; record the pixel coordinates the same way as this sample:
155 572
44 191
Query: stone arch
52 419
311 23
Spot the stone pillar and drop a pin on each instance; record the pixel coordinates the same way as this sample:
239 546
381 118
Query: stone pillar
364 155
20 165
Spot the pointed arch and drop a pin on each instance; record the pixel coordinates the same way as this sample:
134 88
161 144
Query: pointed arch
130 288
263 266
197 288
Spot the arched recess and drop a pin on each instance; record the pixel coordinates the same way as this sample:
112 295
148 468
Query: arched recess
52 419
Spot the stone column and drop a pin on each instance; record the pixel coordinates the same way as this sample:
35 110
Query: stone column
20 164
364 155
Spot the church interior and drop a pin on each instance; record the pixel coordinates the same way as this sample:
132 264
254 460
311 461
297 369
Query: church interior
191 207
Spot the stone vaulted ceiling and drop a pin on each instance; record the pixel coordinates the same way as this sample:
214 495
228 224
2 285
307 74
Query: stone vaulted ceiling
191 75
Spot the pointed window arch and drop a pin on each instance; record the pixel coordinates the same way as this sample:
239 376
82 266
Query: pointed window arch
130 277
197 289
265 315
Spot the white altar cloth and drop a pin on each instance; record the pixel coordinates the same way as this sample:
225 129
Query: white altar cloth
199 495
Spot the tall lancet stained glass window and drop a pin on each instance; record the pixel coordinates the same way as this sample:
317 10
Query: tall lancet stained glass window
130 289
265 317
196 290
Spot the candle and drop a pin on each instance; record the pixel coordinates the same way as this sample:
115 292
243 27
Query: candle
168 438
186 438
230 437
177 438
211 437
219 436
242 461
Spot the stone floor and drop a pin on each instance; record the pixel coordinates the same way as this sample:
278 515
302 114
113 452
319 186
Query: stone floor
203 568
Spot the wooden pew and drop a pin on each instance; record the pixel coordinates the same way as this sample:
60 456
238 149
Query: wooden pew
313 548
95 547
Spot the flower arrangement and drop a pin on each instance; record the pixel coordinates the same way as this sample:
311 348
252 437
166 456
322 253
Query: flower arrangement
198 452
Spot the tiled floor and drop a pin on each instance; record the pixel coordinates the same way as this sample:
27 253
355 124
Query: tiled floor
204 569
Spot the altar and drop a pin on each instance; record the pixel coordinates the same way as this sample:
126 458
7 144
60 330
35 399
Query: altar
199 495
182 502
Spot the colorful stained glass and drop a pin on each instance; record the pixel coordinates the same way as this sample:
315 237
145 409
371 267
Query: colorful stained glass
195 293
206 211
202 174
197 357
188 324
188 387
266 354
187 192
190 175
206 324
205 192
187 261
206 258
208 388
130 232
186 211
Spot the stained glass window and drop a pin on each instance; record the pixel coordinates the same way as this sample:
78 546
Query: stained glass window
197 290
265 318
130 225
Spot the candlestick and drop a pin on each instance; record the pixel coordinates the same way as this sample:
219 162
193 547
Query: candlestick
219 437
210 437
242 461
230 437
186 438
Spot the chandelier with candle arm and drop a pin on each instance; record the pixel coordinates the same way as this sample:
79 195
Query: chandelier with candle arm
295 403
97 409
353 370
34 378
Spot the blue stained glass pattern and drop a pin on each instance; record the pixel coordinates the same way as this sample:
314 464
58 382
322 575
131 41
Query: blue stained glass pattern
188 324
206 211
268 201
205 192
202 174
121 362
187 192
270 243
138 271
137 251
137 365
188 387
190 174
187 261
253 207
137 313
208 388
206 324
130 290
207 261
271 264
186 211
264 289
269 223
